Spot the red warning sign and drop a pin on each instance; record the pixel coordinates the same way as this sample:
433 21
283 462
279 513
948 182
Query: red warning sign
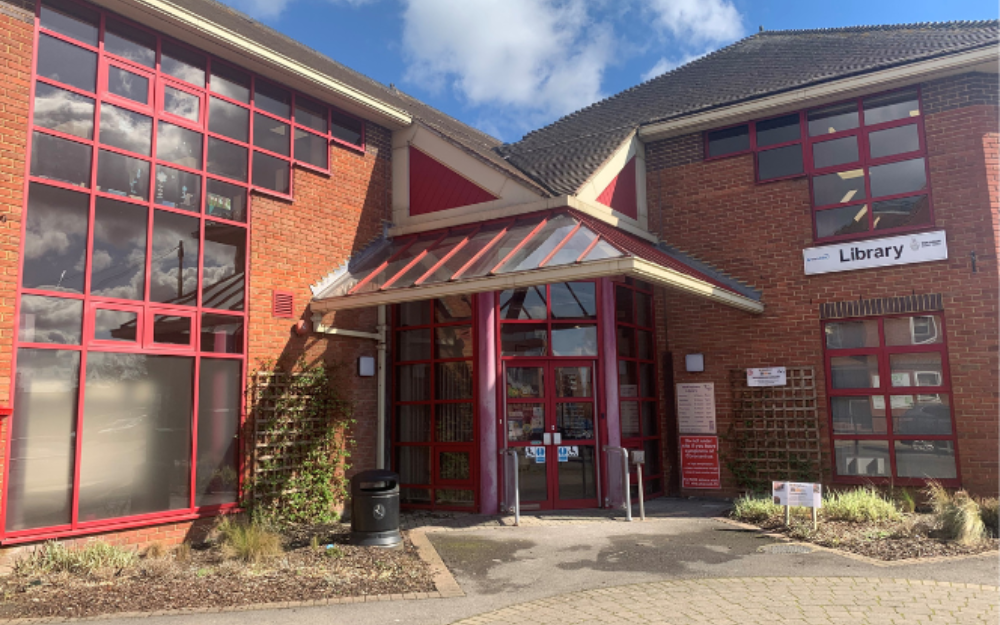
700 462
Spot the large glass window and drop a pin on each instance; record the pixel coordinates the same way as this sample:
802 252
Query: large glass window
434 442
890 407
534 320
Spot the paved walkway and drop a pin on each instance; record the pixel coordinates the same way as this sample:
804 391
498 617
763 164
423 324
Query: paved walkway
753 601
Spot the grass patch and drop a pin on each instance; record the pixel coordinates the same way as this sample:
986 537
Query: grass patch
250 542
859 505
751 509
989 511
958 514
94 556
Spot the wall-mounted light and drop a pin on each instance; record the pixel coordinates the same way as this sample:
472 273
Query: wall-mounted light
694 363
366 366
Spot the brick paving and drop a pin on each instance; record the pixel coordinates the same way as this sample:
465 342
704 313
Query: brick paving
769 600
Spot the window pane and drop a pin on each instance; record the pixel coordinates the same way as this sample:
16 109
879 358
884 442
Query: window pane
116 325
927 415
647 387
573 300
227 159
414 345
779 162
852 334
346 128
310 148
858 415
629 412
839 188
453 308
902 212
575 420
892 106
862 458
223 275
453 423
916 369
122 175
527 303
136 454
646 345
729 140
414 465
126 130
224 200
171 330
64 111
833 119
118 267
454 465
525 382
270 134
926 459
575 340
854 372
918 330
576 245
310 115
128 85
413 382
174 266
59 159
835 152
70 19
624 305
643 309
626 341
181 104
523 340
453 380
182 63
453 342
413 423
230 82
538 247
650 419
131 43
50 320
525 422
43 439
221 334
67 63
220 386
414 314
778 130
272 99
55 242
178 189
841 221
899 140
179 146
270 173
573 382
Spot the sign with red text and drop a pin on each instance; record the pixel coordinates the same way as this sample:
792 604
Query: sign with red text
767 376
700 462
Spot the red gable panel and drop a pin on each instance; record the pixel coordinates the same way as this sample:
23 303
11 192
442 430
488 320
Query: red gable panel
620 194
434 187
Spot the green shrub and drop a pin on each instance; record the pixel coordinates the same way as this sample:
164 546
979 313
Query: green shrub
249 542
989 511
56 557
756 509
958 515
859 505
905 500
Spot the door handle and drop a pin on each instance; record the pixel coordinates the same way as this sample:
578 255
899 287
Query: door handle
546 439
558 438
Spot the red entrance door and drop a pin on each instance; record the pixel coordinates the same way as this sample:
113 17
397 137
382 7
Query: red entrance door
551 418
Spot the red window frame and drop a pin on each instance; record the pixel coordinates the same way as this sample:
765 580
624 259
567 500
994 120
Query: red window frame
434 447
756 150
885 390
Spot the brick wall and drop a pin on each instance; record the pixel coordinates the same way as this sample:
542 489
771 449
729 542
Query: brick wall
756 232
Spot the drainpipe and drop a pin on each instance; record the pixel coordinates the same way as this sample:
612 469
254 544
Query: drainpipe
382 374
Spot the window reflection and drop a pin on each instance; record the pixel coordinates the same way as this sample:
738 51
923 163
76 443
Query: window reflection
271 173
61 160
181 104
840 221
221 334
216 478
55 240
116 325
64 111
50 320
66 63
128 85
174 266
118 266
227 159
70 19
178 189
124 129
122 175
180 62
128 42
225 201
178 145
902 177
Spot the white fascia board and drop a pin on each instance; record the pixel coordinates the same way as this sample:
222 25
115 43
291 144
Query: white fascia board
984 59
628 266
590 190
354 100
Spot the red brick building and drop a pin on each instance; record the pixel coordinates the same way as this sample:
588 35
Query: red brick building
188 196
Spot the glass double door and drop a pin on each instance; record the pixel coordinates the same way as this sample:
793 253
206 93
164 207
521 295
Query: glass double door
551 419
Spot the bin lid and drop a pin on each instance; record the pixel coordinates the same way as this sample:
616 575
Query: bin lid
374 480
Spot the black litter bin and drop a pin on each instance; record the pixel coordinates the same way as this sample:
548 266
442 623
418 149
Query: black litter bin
375 509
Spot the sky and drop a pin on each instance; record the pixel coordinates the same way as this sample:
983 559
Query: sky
511 66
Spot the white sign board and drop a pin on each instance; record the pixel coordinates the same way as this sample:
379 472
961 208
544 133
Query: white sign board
804 494
696 408
902 250
767 376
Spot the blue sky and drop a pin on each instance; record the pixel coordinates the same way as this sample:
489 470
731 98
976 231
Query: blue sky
510 66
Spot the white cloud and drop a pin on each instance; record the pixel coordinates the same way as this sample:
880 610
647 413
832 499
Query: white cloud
665 65
698 21
269 9
544 57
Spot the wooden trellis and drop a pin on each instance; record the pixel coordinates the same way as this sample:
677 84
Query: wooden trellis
775 431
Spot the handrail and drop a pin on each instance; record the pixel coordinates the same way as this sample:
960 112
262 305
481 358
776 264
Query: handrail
511 452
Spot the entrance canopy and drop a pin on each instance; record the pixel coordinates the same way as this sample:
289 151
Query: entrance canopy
554 246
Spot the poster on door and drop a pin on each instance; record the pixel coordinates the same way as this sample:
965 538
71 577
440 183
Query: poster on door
696 408
700 462
538 453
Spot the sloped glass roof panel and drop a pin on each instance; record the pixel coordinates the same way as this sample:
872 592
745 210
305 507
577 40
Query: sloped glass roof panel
467 252
573 248
514 236
602 250
534 251
431 258
398 262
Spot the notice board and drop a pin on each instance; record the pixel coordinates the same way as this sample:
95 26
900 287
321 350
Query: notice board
700 462
696 408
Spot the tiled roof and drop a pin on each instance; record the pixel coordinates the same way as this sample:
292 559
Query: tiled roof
563 155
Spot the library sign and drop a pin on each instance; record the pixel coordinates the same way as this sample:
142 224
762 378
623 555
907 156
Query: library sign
902 250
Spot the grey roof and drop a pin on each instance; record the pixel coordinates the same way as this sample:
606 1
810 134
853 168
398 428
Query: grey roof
563 155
